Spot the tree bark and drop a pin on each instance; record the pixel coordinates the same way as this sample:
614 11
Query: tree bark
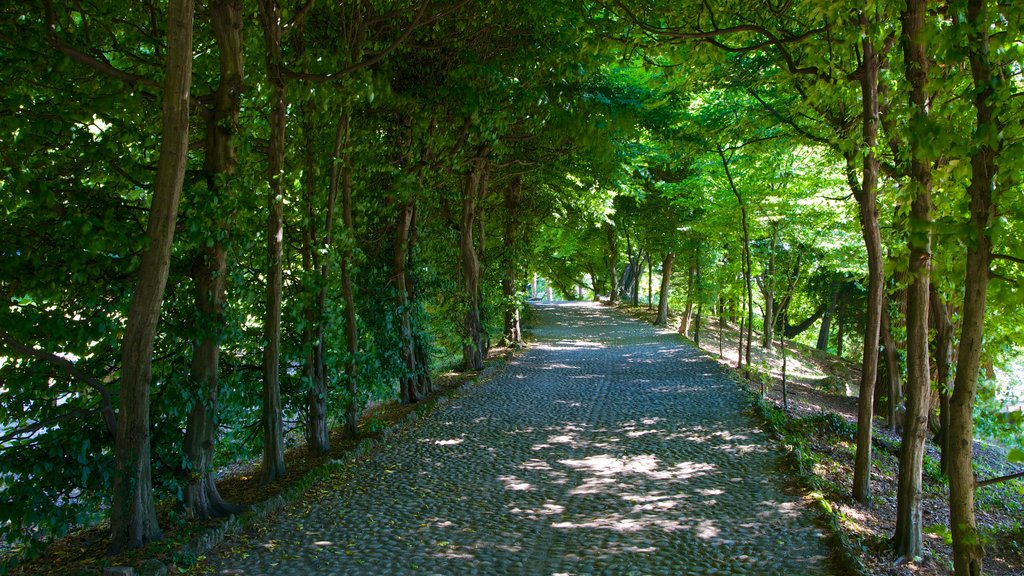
866 195
473 349
893 371
613 252
767 285
967 550
691 274
746 251
513 333
201 497
317 438
409 391
907 539
273 427
133 520
341 169
941 322
666 283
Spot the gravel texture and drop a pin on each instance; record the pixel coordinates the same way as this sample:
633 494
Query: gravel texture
607 448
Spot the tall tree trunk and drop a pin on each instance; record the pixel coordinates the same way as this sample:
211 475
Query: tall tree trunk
133 520
341 177
409 391
613 253
473 349
513 334
967 551
666 283
317 435
907 539
273 427
650 287
314 257
866 195
201 497
746 251
940 320
424 382
691 274
893 371
767 286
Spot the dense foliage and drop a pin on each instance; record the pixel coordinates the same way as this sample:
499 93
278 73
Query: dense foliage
371 190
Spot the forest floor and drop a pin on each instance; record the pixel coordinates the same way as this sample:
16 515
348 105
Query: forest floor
819 384
84 552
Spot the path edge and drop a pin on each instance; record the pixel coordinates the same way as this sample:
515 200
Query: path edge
186 555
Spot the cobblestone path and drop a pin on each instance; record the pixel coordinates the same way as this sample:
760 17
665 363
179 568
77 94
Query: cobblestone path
607 448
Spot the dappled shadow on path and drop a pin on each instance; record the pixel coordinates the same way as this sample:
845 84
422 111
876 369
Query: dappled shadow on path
606 449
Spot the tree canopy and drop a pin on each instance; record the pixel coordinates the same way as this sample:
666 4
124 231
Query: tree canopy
365 193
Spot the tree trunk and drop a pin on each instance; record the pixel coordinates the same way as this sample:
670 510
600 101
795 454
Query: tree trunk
613 251
739 351
907 539
746 251
691 274
201 497
782 348
967 550
424 382
943 326
666 279
797 329
317 435
767 286
409 391
473 349
826 320
513 333
650 287
866 195
893 371
273 427
133 520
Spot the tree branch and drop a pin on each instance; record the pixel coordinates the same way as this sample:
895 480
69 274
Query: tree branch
89 61
1008 257
106 406
1006 478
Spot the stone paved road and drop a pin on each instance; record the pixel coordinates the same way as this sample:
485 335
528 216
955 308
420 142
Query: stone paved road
607 448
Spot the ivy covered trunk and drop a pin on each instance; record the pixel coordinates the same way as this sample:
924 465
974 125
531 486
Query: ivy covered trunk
133 520
273 427
866 194
907 539
666 281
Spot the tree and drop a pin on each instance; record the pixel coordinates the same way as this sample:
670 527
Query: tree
133 517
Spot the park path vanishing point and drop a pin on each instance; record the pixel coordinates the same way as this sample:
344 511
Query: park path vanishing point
607 448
